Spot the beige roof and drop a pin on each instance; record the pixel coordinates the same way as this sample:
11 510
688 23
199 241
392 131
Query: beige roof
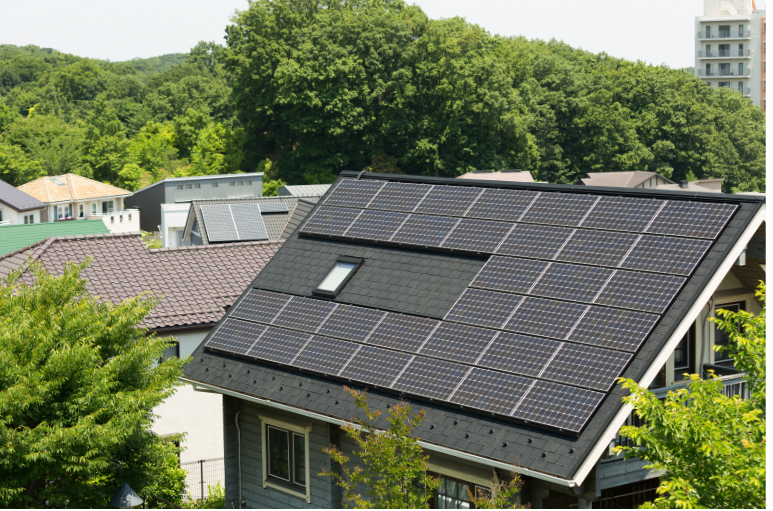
506 175
617 179
692 186
73 188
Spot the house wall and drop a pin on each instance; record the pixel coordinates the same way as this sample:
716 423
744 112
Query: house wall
148 201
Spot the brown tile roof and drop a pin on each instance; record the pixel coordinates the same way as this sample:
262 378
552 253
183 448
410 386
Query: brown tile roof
193 284
507 175
74 188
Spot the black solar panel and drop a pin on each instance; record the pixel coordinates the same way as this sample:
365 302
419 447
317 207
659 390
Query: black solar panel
279 345
548 318
622 214
376 225
640 291
509 274
353 323
586 366
692 219
219 223
491 391
333 221
597 247
402 332
484 308
353 193
477 235
375 366
460 343
536 241
261 306
325 355
660 254
399 197
559 209
249 223
430 378
613 328
424 230
559 406
448 200
497 204
571 282
304 314
520 354
235 336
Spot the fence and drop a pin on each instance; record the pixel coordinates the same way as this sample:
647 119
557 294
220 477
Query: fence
202 474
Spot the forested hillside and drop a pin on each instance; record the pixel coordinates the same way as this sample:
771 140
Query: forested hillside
305 88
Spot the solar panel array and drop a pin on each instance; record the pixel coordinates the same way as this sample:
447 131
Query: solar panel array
232 222
573 286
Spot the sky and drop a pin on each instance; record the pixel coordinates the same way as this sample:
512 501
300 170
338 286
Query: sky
657 31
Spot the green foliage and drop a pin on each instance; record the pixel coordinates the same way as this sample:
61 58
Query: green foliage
130 177
271 188
502 494
395 468
16 168
78 385
218 150
152 148
711 447
47 139
150 240
215 499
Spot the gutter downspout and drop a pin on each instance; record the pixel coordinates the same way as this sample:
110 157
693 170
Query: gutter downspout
239 454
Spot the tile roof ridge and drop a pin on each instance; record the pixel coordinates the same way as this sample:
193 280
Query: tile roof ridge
23 249
70 183
219 245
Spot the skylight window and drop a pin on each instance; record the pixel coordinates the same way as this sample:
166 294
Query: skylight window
338 276
57 181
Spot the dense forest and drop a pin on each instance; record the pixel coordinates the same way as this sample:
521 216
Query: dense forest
303 89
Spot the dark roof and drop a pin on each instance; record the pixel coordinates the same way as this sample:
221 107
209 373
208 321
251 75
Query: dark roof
425 282
18 200
194 284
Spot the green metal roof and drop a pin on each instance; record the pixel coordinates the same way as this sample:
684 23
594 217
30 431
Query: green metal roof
15 237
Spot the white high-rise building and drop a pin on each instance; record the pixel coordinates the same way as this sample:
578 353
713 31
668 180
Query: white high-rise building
730 47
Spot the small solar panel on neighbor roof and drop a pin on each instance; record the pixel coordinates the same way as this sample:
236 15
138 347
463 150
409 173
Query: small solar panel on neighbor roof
233 222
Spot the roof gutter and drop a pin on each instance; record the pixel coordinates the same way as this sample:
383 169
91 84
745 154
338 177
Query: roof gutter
209 388
649 376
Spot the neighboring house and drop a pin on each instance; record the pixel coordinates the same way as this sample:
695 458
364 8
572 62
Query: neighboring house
229 220
516 176
506 311
303 190
185 189
173 218
16 237
650 180
17 207
70 197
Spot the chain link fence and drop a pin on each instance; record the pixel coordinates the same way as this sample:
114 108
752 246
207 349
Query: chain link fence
202 474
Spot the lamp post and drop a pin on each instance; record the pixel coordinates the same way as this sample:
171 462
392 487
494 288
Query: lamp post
125 498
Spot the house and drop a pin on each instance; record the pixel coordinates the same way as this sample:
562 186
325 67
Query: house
504 310
228 220
16 237
516 175
175 190
173 218
651 180
70 197
16 207
303 190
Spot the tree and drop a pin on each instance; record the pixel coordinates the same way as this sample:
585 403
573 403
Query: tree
271 188
501 494
47 139
217 150
711 447
152 148
395 469
78 384
16 168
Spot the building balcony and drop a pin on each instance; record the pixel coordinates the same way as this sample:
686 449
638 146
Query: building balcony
708 73
127 220
724 54
5 222
725 34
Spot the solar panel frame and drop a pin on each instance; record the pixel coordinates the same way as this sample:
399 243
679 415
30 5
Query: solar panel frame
249 223
661 254
602 248
424 230
261 306
325 355
491 391
353 193
586 366
530 353
351 323
236 336
616 329
483 308
571 282
430 378
402 197
646 292
279 345
692 219
559 406
402 332
509 274
305 314
534 241
499 204
331 221
219 223
273 207
563 209
626 214
376 225
376 366
448 200
476 235
543 317
457 342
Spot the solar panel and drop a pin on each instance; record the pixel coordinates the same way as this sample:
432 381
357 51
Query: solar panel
402 332
353 193
536 241
692 219
586 366
520 354
375 366
597 247
399 197
622 214
273 207
679 256
376 225
498 204
333 221
325 355
548 318
477 235
249 223
559 406
261 306
279 345
304 314
484 308
509 274
424 230
460 343
559 209
219 223
640 291
491 391
448 200
353 323
430 378
235 336
613 328
571 282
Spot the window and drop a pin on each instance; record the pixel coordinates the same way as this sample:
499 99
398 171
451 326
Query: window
740 69
188 187
170 352
740 30
107 207
455 494
724 31
112 219
240 183
196 186
249 182
1 215
214 185
80 211
32 219
26 219
684 354
120 219
338 276
232 183
724 69
179 187
130 217
740 86
57 181
721 338
765 85
93 208
286 454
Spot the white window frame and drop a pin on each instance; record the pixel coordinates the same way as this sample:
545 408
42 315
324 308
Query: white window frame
293 427
93 208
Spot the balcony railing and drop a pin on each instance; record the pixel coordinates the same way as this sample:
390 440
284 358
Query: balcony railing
5 222
723 72
112 213
725 34
724 54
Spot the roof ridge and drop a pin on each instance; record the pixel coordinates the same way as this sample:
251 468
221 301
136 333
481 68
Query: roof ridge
217 245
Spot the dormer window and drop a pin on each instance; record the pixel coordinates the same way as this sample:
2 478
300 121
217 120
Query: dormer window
338 276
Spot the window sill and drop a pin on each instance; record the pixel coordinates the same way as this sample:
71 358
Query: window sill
285 489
